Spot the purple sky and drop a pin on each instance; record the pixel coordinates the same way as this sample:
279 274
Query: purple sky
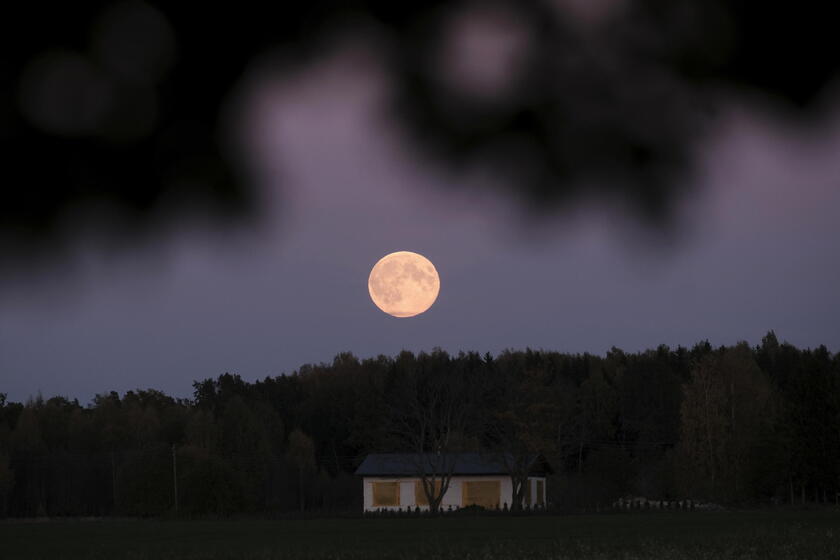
758 251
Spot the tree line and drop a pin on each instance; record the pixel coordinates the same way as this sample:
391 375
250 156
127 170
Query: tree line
731 424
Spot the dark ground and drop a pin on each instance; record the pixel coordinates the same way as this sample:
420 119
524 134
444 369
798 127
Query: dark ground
747 534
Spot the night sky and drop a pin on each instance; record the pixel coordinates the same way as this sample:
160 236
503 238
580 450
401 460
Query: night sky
756 248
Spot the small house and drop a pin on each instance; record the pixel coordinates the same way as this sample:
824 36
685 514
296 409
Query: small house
392 481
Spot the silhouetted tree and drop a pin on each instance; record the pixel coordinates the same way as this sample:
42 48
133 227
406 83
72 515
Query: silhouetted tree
733 424
727 411
521 422
434 412
301 453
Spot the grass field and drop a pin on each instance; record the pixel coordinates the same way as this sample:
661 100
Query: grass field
696 535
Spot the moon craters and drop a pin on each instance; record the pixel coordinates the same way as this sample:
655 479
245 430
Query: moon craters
404 284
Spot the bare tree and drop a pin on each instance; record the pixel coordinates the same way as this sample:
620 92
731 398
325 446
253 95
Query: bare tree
432 415
521 422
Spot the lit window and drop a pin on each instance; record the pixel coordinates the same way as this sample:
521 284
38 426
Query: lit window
484 493
386 494
420 494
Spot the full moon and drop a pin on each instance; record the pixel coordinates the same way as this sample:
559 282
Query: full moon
404 284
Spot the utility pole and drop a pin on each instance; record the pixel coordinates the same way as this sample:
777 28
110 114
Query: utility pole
175 477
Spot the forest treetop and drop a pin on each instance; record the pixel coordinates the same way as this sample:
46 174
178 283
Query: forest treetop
733 424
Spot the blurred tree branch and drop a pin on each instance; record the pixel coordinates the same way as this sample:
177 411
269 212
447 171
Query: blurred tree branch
118 104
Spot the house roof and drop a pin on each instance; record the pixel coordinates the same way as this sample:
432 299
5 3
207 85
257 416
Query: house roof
410 464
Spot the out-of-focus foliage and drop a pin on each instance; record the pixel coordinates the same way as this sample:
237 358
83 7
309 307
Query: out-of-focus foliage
735 425
111 112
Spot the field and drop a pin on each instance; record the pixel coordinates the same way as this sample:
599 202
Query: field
687 535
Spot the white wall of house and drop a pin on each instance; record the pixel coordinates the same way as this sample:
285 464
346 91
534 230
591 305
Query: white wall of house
453 494
532 481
